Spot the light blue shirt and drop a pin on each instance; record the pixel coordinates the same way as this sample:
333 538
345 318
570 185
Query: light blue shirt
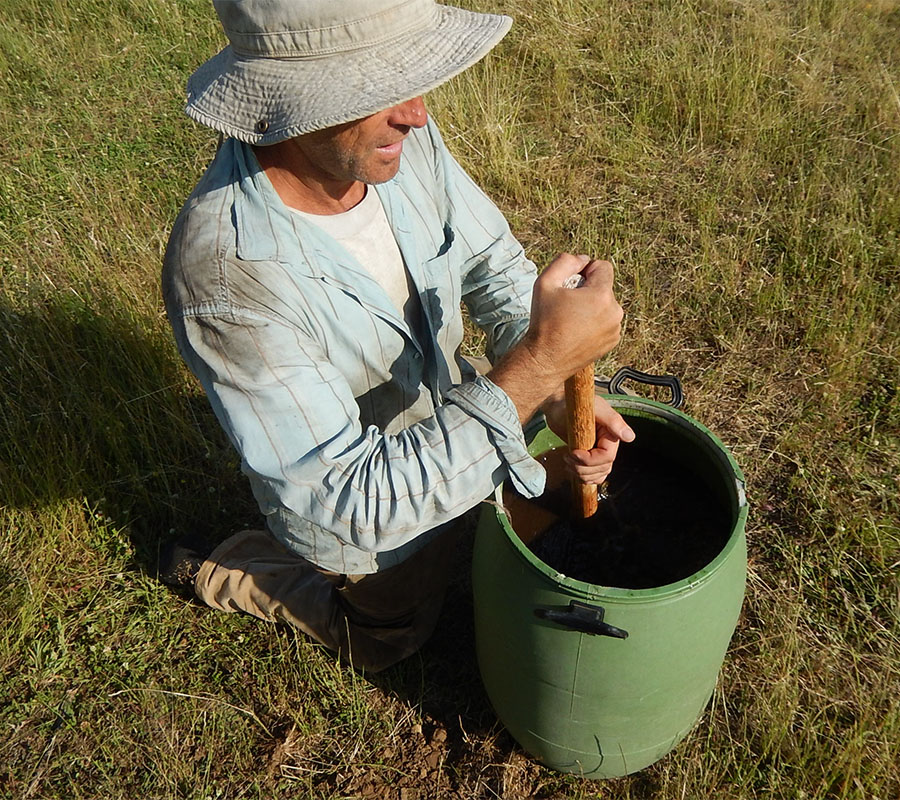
360 436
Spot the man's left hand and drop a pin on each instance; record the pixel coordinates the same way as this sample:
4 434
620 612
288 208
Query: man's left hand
594 465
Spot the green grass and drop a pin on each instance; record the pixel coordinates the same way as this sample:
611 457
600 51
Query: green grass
740 163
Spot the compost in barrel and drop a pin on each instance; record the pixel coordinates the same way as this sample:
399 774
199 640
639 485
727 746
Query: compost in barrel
658 521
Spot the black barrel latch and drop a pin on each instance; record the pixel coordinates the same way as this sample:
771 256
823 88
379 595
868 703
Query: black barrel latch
581 617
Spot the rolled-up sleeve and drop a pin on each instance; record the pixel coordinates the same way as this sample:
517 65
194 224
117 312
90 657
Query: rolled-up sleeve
293 418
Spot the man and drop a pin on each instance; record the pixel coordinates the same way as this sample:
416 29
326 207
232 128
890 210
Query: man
313 281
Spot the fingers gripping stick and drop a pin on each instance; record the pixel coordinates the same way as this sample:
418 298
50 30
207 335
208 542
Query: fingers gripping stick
580 426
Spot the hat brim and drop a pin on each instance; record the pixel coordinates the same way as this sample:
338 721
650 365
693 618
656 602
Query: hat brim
267 100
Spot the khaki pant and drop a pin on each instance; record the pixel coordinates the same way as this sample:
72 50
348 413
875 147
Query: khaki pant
371 621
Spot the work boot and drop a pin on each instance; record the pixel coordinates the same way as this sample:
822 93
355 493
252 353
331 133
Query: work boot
179 561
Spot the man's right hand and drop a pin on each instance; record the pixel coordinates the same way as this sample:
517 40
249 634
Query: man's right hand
569 329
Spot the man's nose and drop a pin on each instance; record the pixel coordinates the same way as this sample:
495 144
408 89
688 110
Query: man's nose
412 113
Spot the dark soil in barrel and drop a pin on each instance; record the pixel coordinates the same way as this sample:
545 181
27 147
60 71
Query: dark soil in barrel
659 522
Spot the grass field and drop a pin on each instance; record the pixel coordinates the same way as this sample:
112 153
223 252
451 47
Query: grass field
738 160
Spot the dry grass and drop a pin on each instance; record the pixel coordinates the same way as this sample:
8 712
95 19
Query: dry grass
737 160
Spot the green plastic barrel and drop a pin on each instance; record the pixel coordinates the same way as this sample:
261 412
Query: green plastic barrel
572 692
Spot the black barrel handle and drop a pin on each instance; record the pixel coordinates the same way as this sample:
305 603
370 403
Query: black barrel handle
582 617
629 373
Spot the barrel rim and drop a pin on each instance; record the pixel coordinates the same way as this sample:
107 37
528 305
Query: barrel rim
696 430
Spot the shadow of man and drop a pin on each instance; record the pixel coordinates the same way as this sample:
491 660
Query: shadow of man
94 404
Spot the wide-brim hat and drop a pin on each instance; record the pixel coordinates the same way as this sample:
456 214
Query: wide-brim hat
296 66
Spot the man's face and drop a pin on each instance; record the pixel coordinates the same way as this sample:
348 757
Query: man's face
366 150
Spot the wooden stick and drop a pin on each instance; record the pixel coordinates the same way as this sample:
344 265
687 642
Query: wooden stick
582 434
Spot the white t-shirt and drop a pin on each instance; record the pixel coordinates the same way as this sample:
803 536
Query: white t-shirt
366 234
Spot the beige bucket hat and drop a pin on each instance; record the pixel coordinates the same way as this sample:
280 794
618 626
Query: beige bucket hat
295 66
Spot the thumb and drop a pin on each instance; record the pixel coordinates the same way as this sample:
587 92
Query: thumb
612 422
564 266
599 274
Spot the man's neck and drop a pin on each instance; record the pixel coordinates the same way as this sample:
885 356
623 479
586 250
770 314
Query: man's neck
301 188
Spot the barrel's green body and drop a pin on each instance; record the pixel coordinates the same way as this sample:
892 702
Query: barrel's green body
590 704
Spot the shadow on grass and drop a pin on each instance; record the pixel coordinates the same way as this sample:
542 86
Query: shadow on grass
93 406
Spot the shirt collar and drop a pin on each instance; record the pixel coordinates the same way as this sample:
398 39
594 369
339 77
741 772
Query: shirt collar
266 230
